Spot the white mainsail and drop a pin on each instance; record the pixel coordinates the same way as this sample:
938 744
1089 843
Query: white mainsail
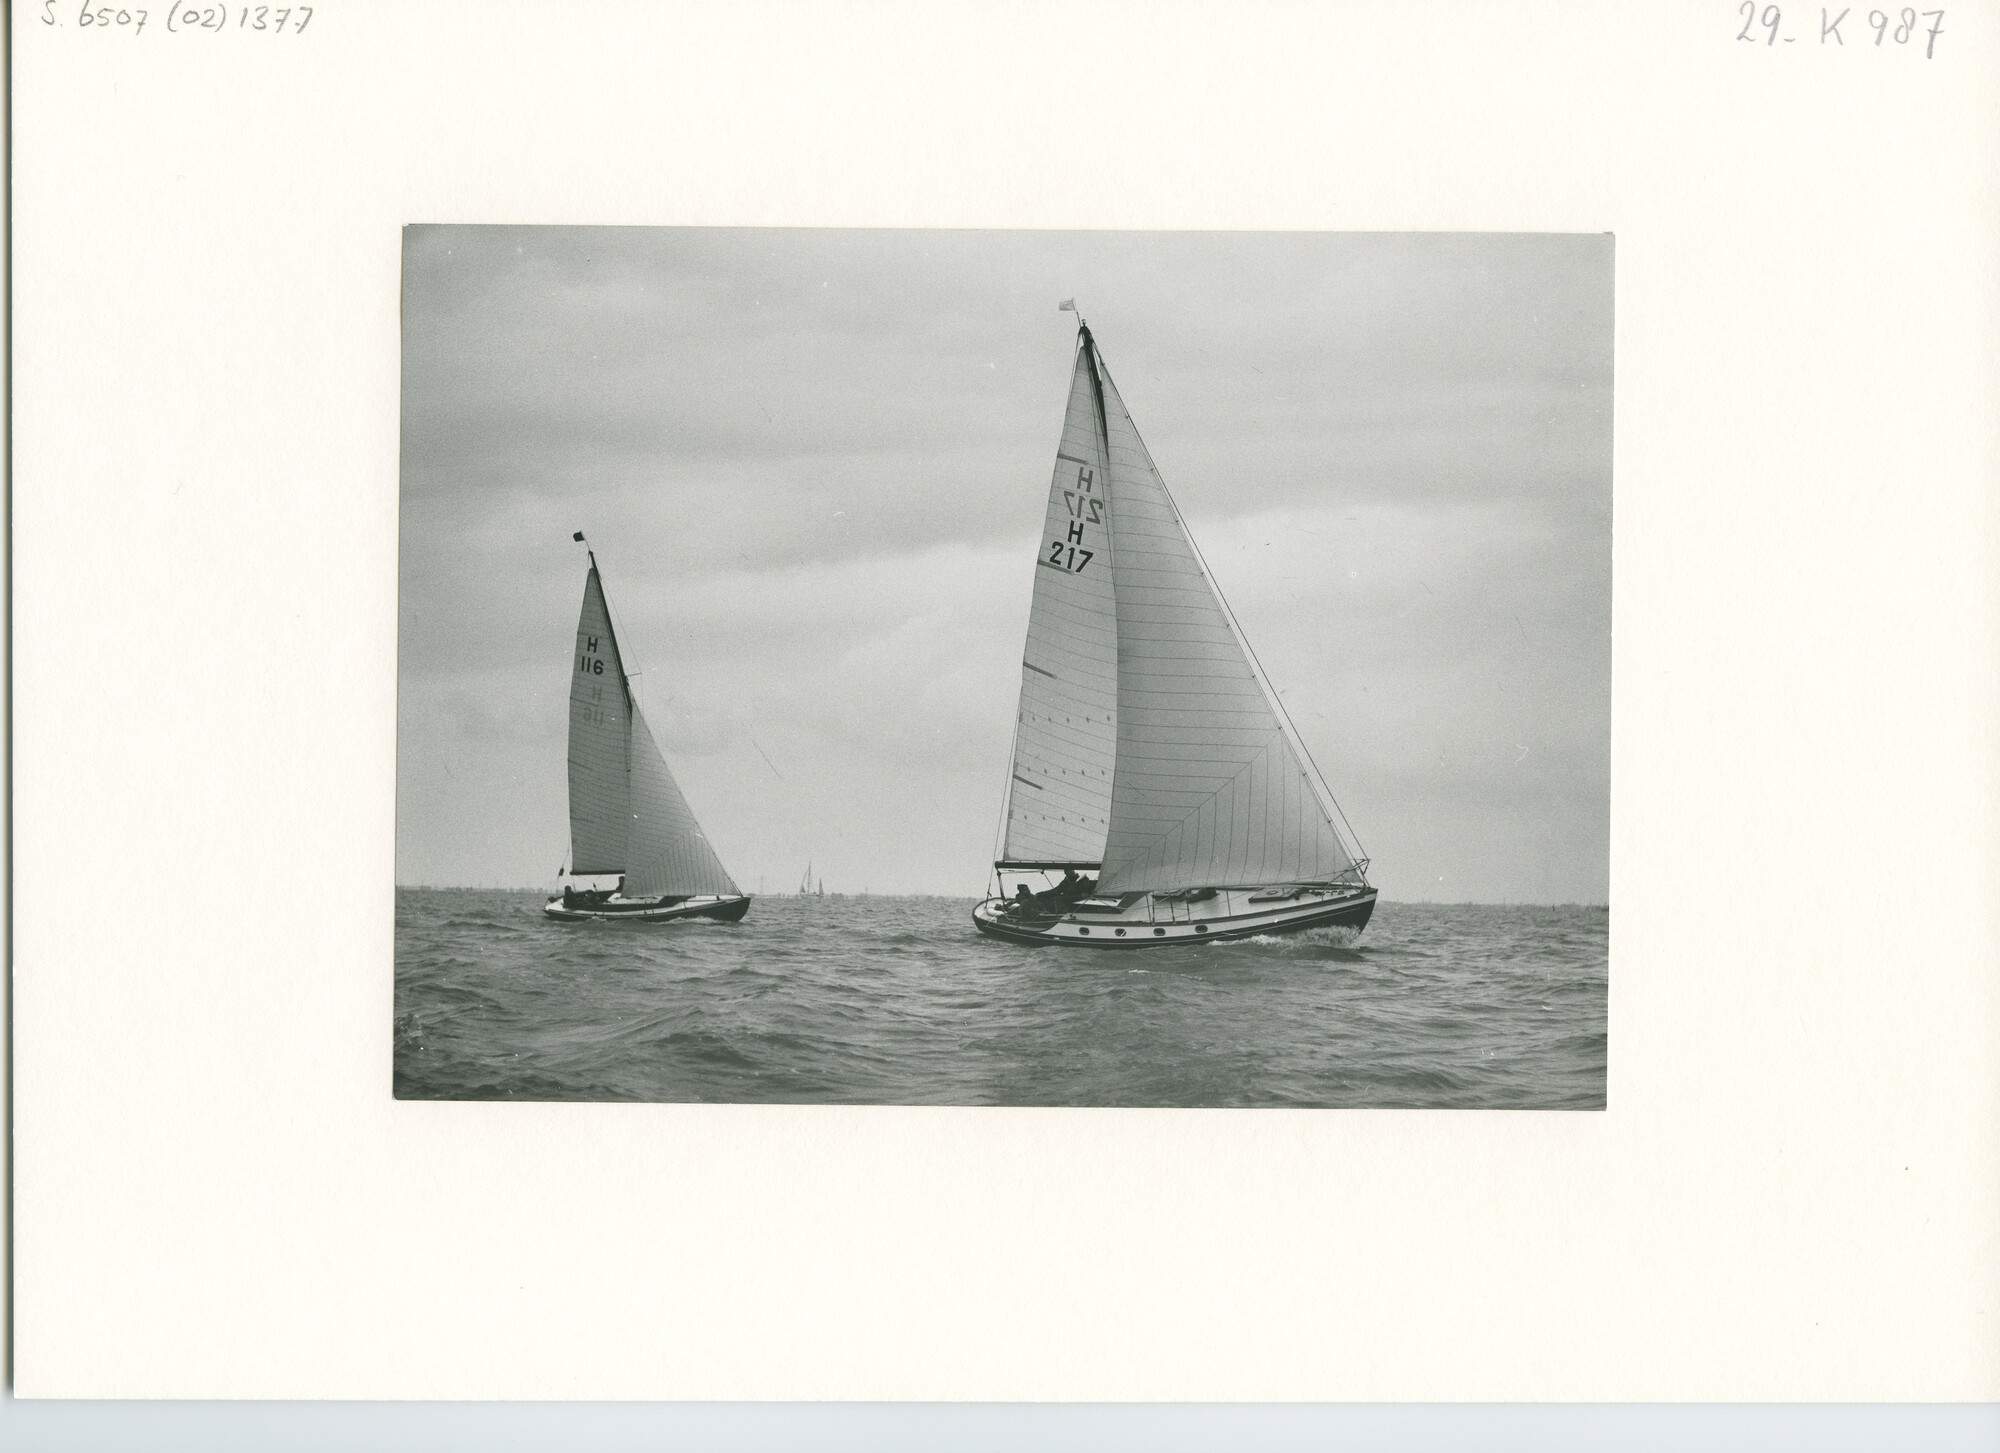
626 813
600 729
1208 790
1059 796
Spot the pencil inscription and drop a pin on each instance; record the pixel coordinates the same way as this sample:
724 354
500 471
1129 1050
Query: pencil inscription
180 17
1766 27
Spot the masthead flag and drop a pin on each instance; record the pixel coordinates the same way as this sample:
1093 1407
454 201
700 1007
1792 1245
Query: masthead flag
1067 305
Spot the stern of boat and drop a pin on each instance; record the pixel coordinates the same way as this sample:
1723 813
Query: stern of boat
730 910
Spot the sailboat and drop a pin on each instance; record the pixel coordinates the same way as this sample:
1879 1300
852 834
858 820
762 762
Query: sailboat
1148 749
626 813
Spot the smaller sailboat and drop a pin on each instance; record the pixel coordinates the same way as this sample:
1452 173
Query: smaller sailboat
626 813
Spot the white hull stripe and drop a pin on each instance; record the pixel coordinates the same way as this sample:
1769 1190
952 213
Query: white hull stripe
1103 932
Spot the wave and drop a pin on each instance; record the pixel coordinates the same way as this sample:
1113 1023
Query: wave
882 1001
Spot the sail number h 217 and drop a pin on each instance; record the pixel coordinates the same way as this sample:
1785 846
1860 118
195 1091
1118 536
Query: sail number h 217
1085 508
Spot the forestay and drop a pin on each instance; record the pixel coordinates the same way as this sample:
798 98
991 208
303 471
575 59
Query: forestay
1208 790
1059 797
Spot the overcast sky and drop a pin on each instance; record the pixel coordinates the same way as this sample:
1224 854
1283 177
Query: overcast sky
814 463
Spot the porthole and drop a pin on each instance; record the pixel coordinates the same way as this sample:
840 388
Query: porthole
1119 931
1158 931
1198 928
1084 931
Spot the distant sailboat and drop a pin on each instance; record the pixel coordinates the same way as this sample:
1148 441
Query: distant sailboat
1146 747
626 814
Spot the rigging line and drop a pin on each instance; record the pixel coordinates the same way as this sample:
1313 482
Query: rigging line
1251 651
767 760
1006 806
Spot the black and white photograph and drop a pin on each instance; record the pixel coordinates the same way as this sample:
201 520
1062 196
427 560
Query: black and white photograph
863 724
1004 668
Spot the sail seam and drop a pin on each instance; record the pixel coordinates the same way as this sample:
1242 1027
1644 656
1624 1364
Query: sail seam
1160 837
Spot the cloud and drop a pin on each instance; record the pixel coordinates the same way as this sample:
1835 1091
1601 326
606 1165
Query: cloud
812 465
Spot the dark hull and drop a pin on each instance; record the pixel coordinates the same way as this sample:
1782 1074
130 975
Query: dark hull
726 910
1078 931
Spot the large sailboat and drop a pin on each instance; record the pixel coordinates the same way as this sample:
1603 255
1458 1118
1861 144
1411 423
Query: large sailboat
626 814
1147 748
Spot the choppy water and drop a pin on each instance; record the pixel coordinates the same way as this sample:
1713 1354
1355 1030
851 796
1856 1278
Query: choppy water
898 1001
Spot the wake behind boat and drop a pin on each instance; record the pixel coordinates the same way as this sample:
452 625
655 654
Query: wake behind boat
626 813
1147 748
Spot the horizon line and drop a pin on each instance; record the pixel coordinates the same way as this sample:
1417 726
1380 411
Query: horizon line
974 897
